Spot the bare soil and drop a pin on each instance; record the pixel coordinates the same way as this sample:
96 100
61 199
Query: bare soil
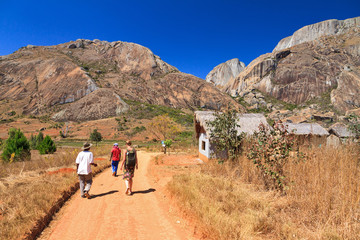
110 214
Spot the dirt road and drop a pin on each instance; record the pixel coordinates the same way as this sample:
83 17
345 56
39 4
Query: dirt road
111 214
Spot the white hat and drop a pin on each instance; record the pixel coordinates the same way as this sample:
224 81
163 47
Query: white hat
115 144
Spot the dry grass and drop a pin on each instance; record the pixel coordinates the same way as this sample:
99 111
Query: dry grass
63 157
322 201
26 198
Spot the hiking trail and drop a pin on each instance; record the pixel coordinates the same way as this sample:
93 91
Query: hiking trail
110 214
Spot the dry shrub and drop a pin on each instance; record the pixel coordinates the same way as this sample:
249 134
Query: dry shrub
228 210
322 199
326 192
23 203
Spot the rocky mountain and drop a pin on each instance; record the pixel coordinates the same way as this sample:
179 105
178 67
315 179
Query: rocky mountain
86 80
318 63
225 72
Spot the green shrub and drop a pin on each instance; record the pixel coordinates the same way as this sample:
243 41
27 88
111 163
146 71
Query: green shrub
95 136
47 146
35 141
17 147
270 152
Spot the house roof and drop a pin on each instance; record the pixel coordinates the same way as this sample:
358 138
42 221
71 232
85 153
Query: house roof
306 128
249 122
341 130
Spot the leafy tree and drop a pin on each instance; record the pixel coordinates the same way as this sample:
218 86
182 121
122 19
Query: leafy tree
16 147
163 127
224 134
95 136
270 152
167 144
47 146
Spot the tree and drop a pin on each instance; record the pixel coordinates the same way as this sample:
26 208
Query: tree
270 152
95 136
17 146
47 146
35 141
224 134
167 144
163 127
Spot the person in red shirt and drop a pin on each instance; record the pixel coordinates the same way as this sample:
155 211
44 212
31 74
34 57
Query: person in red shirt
115 158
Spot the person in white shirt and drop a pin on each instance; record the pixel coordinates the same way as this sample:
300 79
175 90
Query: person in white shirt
84 161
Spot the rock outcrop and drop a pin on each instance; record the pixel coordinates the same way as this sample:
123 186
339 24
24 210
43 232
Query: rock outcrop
224 72
99 104
87 80
326 70
312 32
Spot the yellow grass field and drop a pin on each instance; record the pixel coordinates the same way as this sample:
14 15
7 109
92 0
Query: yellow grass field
322 200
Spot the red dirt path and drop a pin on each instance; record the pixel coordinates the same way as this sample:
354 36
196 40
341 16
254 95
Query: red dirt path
110 214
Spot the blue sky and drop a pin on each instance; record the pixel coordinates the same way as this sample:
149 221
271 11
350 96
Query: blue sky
193 36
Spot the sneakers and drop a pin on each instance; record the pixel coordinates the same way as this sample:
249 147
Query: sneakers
114 174
87 195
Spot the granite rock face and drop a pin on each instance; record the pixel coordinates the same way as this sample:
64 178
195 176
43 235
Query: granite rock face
101 103
312 32
224 72
88 79
326 69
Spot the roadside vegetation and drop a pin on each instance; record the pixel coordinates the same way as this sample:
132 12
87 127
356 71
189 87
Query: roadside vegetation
276 191
24 208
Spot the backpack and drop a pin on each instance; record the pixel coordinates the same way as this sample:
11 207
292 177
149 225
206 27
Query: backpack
130 158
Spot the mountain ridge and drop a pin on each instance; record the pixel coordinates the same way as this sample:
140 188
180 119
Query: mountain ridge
51 79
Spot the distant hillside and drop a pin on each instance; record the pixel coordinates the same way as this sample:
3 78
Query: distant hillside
86 80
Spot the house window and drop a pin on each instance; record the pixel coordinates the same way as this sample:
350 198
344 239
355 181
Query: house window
203 145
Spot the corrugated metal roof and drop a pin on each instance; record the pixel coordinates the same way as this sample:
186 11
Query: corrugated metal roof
249 122
306 128
341 130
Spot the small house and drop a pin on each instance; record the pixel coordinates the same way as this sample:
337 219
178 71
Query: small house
308 133
339 134
248 122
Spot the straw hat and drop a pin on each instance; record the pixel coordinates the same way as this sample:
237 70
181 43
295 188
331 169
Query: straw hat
86 146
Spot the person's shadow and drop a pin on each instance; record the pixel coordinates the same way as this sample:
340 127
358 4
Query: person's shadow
104 194
144 191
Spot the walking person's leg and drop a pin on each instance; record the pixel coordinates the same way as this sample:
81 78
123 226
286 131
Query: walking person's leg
88 180
82 184
127 186
116 164
113 167
130 185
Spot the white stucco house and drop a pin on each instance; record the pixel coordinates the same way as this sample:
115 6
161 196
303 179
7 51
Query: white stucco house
249 123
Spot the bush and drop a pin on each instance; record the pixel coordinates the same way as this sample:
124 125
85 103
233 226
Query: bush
17 147
95 136
35 141
270 152
47 146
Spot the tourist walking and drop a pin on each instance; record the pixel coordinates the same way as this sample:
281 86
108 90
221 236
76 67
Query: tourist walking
129 164
84 161
115 158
